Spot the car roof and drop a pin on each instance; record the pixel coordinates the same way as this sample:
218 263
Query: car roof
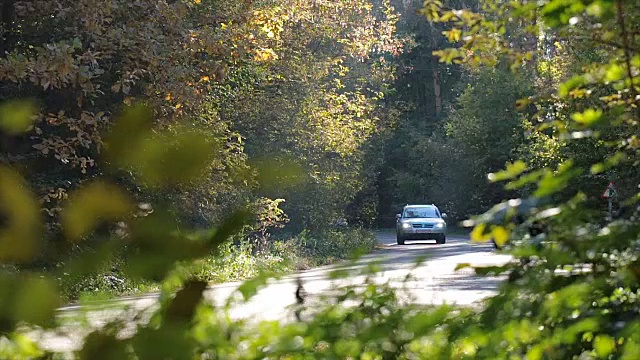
417 206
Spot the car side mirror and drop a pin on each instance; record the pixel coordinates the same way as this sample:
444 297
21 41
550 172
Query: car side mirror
444 215
397 216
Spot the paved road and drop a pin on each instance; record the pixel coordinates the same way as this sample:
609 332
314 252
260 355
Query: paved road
434 281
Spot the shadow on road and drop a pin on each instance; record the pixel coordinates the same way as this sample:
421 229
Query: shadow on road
408 254
471 283
432 265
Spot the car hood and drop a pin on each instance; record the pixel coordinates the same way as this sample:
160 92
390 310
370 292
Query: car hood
422 221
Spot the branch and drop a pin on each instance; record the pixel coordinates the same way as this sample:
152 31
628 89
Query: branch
615 44
627 52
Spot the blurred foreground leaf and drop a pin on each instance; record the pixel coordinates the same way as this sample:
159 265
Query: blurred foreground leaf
249 288
500 235
491 270
587 118
129 129
156 245
554 182
91 261
273 172
20 221
167 159
36 300
617 158
183 306
92 204
168 342
512 171
478 234
101 346
604 345
159 157
19 346
29 298
17 116
232 225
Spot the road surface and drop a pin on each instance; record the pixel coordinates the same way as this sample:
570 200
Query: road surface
433 281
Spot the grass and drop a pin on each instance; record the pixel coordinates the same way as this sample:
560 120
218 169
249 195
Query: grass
235 262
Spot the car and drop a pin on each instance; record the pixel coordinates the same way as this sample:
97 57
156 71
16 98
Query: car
421 222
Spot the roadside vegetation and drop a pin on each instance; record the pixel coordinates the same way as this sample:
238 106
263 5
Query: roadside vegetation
168 144
232 261
189 111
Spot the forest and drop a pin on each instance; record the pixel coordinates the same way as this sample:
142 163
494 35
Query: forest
165 145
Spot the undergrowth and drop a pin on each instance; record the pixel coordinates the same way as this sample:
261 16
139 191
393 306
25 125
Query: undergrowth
234 261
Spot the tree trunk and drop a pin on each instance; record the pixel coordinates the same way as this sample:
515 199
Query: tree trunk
436 90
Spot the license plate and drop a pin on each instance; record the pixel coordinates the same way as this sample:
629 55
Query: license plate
424 230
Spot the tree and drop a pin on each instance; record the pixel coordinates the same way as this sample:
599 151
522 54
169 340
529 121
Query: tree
485 129
81 61
317 105
422 91
590 105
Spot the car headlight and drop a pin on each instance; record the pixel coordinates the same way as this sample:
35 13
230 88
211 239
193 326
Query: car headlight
439 226
406 225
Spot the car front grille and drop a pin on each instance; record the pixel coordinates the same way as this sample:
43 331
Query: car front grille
422 226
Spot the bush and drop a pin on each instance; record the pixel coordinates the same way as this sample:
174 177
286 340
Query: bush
232 261
241 260
105 283
333 245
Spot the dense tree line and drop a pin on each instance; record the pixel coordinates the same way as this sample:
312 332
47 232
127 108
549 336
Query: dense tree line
467 122
287 94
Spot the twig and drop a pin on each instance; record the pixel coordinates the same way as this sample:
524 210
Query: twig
300 295
627 52
613 44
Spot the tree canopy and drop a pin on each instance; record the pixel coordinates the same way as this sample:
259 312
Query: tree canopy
145 136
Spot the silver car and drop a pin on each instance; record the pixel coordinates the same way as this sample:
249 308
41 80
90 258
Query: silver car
421 222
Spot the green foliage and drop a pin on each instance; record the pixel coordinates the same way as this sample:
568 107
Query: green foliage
16 116
479 134
177 114
569 313
275 80
332 245
312 111
572 291
92 204
33 300
242 261
21 228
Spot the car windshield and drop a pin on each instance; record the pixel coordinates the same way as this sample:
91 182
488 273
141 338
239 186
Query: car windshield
426 212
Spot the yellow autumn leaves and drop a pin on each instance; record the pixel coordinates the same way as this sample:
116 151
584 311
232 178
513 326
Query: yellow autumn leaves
270 23
483 233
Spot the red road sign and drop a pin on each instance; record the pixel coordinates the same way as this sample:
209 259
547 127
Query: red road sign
610 191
